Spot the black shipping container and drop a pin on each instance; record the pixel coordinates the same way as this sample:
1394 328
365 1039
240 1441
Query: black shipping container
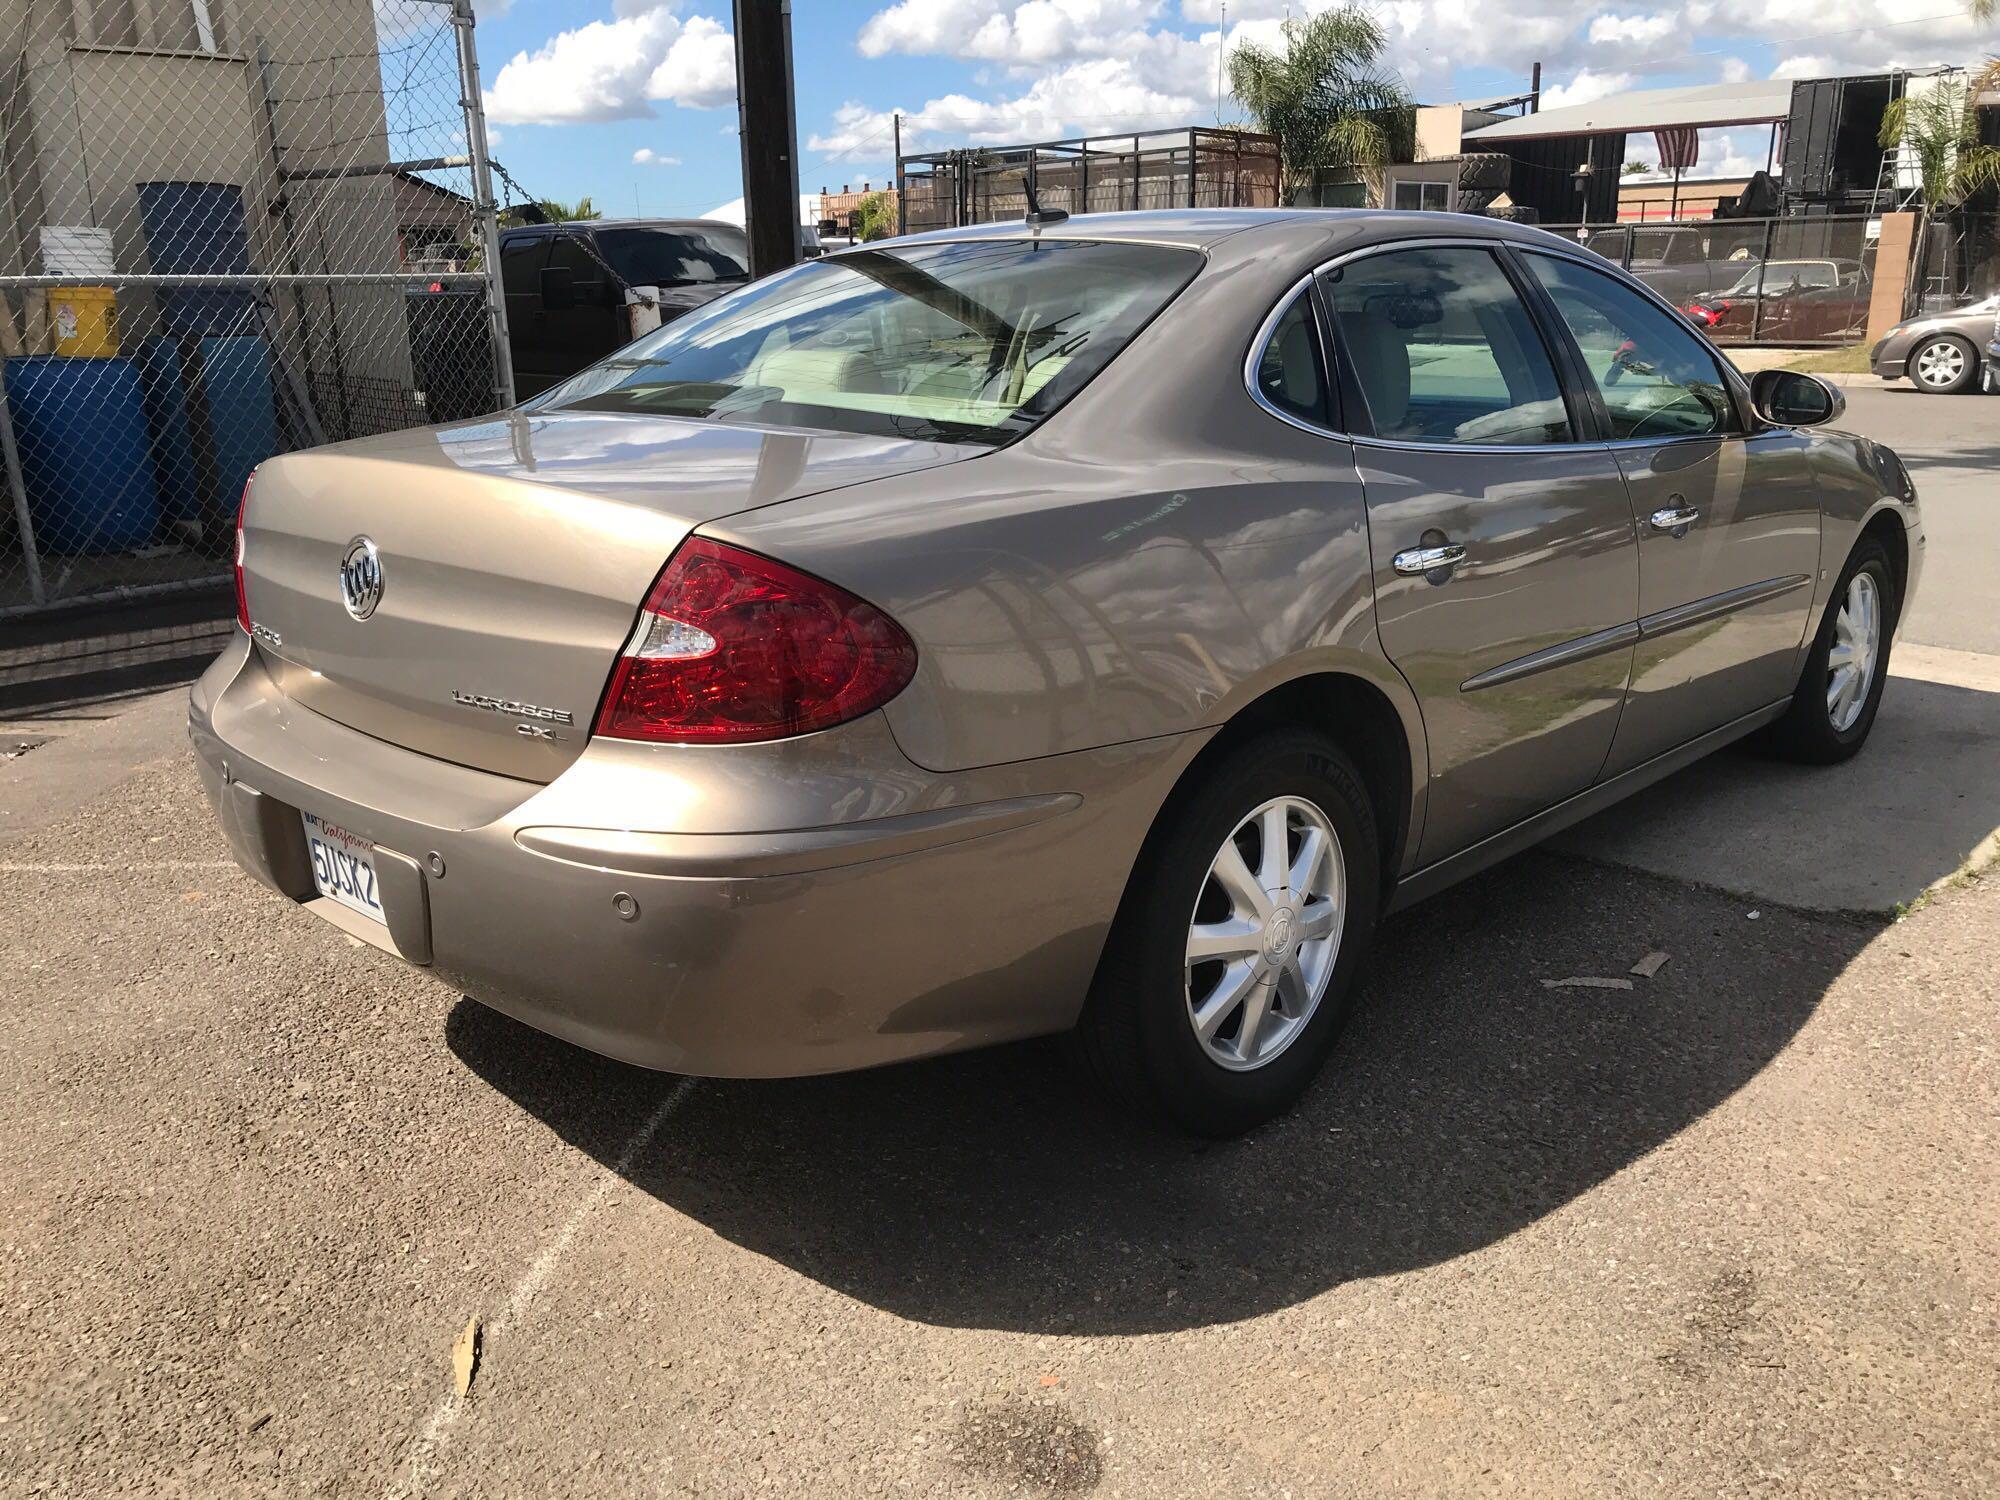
1832 154
1544 177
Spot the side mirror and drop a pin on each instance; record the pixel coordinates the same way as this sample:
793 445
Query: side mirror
1789 399
558 289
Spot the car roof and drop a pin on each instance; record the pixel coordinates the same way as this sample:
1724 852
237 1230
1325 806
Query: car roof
573 226
1270 230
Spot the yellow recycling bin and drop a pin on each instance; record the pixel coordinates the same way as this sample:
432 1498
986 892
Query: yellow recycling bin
85 320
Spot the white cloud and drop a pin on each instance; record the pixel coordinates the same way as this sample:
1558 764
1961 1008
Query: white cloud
1101 94
1037 31
646 156
699 70
616 69
1586 87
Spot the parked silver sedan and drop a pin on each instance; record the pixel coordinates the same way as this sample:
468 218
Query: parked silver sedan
1086 628
1939 352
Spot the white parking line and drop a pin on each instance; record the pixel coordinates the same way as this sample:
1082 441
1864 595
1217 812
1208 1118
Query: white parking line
13 867
425 1467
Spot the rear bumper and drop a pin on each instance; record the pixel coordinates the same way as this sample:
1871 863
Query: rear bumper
948 912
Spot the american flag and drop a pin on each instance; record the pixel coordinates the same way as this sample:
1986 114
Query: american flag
1679 147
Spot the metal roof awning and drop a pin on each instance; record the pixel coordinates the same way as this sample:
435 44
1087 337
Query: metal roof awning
1703 105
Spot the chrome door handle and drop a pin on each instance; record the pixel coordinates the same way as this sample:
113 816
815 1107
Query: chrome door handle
1676 519
1417 561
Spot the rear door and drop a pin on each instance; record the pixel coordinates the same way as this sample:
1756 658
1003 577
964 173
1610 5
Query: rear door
1505 572
1727 518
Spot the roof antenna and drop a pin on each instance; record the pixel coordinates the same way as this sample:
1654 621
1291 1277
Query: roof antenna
1036 213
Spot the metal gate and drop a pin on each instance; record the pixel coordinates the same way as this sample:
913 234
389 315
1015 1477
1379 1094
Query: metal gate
1801 280
225 232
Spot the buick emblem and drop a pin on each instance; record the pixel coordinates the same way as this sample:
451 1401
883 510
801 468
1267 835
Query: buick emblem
361 578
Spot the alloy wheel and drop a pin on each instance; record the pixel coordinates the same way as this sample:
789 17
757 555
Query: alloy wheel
1265 932
1851 656
1941 363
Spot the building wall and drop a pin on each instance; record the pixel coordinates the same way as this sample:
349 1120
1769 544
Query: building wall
1647 198
102 95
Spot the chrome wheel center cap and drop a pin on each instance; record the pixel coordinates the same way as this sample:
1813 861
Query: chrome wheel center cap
1281 931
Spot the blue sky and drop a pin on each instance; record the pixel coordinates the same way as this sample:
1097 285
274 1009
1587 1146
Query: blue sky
633 101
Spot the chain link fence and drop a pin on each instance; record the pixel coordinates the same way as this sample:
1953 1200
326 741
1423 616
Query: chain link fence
228 229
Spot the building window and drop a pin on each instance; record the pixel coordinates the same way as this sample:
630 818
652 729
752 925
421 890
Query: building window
1432 195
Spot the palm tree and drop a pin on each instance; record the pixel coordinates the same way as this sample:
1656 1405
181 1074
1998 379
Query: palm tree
1326 97
558 212
874 218
1940 129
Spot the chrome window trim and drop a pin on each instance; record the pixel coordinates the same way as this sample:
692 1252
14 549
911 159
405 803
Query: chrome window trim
1362 252
1261 340
1407 445
1731 377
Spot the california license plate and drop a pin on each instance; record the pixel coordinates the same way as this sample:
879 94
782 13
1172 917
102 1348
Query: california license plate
344 867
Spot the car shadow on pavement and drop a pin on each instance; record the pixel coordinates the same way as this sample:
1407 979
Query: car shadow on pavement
1467 1100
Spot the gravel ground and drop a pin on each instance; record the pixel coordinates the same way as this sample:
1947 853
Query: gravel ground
1727 1232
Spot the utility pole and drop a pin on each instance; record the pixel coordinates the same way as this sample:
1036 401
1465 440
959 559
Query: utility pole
768 130
1221 46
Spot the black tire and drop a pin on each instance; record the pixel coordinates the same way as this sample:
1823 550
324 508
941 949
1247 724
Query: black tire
1135 1035
1806 733
1968 375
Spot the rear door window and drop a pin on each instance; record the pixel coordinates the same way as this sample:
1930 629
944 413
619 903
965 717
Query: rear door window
1445 351
1291 375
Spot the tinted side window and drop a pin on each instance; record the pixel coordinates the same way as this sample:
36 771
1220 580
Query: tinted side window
521 263
1657 379
1290 373
568 252
680 257
1444 349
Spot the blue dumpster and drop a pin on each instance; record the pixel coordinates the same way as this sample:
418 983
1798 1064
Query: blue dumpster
80 425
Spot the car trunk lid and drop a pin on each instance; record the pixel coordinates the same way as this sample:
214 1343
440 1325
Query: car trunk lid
514 553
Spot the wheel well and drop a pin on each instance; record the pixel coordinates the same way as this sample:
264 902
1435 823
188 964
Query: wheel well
1360 719
1887 528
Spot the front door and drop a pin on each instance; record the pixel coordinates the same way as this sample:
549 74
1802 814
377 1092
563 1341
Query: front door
1728 521
1506 575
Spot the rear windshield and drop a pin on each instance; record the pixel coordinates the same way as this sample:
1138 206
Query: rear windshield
676 257
964 342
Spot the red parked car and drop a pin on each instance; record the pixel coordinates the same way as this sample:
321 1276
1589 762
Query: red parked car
1802 300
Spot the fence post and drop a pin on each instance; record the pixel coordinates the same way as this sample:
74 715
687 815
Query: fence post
1757 311
483 207
23 520
902 184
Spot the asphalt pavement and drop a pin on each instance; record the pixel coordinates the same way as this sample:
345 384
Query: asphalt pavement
1726 1231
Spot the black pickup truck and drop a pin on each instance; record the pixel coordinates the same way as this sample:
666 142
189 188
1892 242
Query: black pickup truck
579 290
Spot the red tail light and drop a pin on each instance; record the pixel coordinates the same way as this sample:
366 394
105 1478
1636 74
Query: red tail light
733 647
242 598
